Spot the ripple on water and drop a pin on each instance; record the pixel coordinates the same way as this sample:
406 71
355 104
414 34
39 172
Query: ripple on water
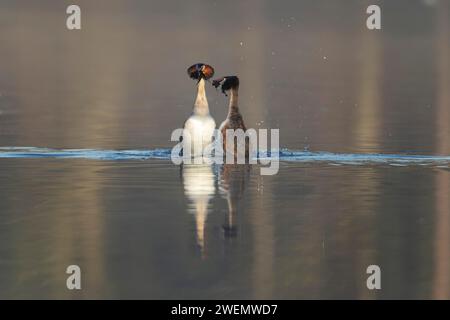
349 159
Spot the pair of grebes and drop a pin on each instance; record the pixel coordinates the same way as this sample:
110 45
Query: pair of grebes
200 125
199 180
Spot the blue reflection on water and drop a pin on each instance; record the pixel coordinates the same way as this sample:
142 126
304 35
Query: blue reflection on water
284 155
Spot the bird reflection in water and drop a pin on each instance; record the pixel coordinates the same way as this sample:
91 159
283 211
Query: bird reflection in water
232 183
199 183
199 188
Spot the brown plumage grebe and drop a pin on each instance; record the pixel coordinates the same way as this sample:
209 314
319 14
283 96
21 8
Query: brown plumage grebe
234 120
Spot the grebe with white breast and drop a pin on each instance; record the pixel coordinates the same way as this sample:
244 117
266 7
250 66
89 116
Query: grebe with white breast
200 125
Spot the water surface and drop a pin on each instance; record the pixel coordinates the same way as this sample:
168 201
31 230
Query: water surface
85 175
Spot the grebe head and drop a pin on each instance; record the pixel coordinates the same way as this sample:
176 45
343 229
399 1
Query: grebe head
226 83
199 71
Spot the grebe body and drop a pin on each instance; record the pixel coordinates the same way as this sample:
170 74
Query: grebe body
200 125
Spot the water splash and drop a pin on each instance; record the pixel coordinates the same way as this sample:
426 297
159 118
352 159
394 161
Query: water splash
285 155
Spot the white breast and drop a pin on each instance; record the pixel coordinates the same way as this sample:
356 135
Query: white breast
201 131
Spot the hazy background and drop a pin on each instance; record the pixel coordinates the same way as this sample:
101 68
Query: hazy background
310 68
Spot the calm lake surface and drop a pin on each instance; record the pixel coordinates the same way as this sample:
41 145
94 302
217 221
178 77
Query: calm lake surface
146 228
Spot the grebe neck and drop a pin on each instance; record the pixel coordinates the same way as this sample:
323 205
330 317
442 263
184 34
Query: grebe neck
234 97
201 103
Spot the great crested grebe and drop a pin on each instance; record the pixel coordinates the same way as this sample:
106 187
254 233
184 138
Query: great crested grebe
234 118
200 125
